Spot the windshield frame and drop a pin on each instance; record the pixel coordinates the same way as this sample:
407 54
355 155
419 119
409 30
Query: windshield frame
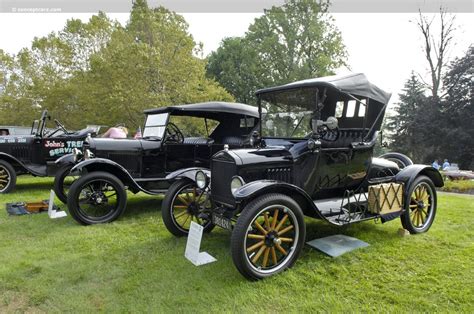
155 126
298 121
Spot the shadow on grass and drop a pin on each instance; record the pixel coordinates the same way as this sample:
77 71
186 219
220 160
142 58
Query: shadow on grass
142 205
23 186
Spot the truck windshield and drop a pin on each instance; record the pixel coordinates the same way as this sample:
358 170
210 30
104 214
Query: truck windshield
288 113
155 125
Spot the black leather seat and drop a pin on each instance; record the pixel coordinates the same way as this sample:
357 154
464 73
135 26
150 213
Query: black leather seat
233 140
346 138
198 141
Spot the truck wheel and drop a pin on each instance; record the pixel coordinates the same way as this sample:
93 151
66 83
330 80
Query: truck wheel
185 202
97 197
268 236
420 208
7 177
401 160
63 181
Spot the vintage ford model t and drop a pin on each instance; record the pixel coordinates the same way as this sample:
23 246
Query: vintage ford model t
36 152
313 157
174 138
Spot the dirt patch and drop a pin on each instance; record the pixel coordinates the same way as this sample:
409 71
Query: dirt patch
12 302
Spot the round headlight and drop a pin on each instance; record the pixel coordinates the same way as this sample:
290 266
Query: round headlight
236 183
201 179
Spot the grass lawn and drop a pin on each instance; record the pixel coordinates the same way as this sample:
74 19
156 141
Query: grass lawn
134 264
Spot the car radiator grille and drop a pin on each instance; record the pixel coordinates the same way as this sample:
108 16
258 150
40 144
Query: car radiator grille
222 173
279 174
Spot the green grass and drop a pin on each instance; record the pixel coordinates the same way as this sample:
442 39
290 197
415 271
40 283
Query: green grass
134 264
459 186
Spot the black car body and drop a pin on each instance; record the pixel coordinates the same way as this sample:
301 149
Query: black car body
36 152
305 162
150 163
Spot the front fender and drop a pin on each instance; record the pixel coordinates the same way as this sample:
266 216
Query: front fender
67 159
254 189
106 165
18 165
189 173
408 174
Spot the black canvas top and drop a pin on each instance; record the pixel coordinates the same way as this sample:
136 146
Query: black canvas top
354 84
209 108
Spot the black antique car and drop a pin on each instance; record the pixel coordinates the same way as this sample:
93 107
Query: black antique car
174 138
313 157
36 152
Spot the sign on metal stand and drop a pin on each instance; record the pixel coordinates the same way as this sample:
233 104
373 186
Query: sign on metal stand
52 213
194 244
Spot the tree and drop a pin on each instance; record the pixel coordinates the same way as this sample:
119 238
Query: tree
435 48
406 126
295 41
101 72
458 111
234 66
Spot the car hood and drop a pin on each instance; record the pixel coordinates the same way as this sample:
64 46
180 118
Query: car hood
260 156
110 144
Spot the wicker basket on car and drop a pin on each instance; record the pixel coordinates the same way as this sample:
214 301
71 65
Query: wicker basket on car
385 198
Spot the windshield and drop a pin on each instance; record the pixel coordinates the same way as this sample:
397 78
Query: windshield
155 125
288 113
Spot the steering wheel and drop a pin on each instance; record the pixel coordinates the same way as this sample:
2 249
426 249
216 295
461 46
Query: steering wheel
330 135
61 126
173 134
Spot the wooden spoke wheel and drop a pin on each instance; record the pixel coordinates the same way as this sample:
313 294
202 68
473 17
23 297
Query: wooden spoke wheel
420 209
185 203
97 197
7 177
268 236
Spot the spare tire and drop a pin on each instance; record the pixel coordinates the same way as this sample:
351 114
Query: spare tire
401 160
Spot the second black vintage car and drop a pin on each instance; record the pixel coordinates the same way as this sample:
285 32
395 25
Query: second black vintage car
36 152
174 138
313 157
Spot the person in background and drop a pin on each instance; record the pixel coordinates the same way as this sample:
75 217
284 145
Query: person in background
118 131
446 164
435 164
3 132
138 135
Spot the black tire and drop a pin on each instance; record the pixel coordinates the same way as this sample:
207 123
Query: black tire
420 206
7 177
62 183
401 160
266 207
190 208
93 188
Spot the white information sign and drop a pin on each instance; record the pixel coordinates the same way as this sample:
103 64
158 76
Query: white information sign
194 244
52 213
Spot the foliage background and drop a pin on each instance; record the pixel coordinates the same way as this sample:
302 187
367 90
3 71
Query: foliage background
100 72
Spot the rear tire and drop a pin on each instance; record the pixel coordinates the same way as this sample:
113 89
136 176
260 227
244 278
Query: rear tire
97 197
401 160
178 208
268 236
420 206
7 177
